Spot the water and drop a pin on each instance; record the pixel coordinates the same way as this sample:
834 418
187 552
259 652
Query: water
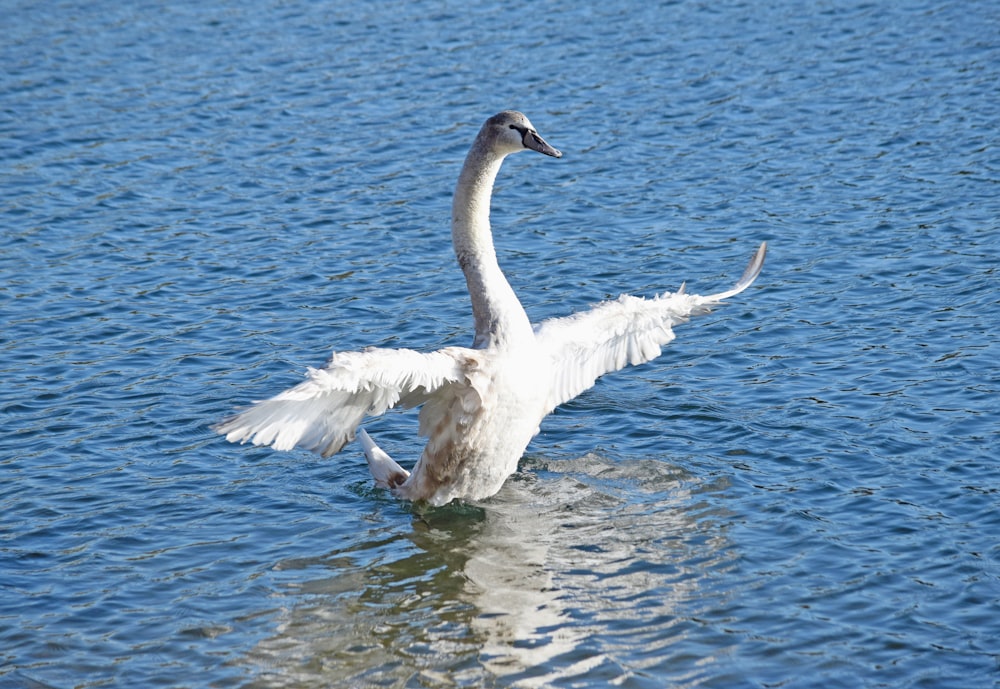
199 201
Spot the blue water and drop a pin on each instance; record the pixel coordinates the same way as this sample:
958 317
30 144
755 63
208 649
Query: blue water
199 201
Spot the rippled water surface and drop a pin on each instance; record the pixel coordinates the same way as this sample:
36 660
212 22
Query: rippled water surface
198 201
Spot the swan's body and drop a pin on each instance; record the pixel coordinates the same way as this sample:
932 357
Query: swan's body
480 405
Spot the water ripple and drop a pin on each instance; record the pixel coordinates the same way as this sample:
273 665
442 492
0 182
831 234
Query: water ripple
199 201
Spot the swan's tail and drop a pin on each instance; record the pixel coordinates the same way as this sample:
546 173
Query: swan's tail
385 471
749 275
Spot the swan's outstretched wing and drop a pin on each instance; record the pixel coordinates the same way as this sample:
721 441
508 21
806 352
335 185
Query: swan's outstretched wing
322 412
630 330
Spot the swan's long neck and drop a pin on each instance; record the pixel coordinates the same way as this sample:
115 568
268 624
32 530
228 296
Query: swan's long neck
500 318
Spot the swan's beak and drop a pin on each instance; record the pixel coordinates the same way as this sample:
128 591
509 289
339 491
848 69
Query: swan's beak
536 143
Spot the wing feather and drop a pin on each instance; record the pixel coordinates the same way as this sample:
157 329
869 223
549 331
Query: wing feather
322 412
614 334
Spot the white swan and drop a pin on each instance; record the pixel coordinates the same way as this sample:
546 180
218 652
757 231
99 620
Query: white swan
481 405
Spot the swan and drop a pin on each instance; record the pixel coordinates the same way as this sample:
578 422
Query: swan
480 405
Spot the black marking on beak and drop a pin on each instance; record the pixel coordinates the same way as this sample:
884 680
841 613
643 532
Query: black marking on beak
530 139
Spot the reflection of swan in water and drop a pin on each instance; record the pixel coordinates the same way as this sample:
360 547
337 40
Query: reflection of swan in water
481 405
565 571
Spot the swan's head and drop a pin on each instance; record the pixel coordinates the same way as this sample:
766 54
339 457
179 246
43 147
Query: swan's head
510 132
